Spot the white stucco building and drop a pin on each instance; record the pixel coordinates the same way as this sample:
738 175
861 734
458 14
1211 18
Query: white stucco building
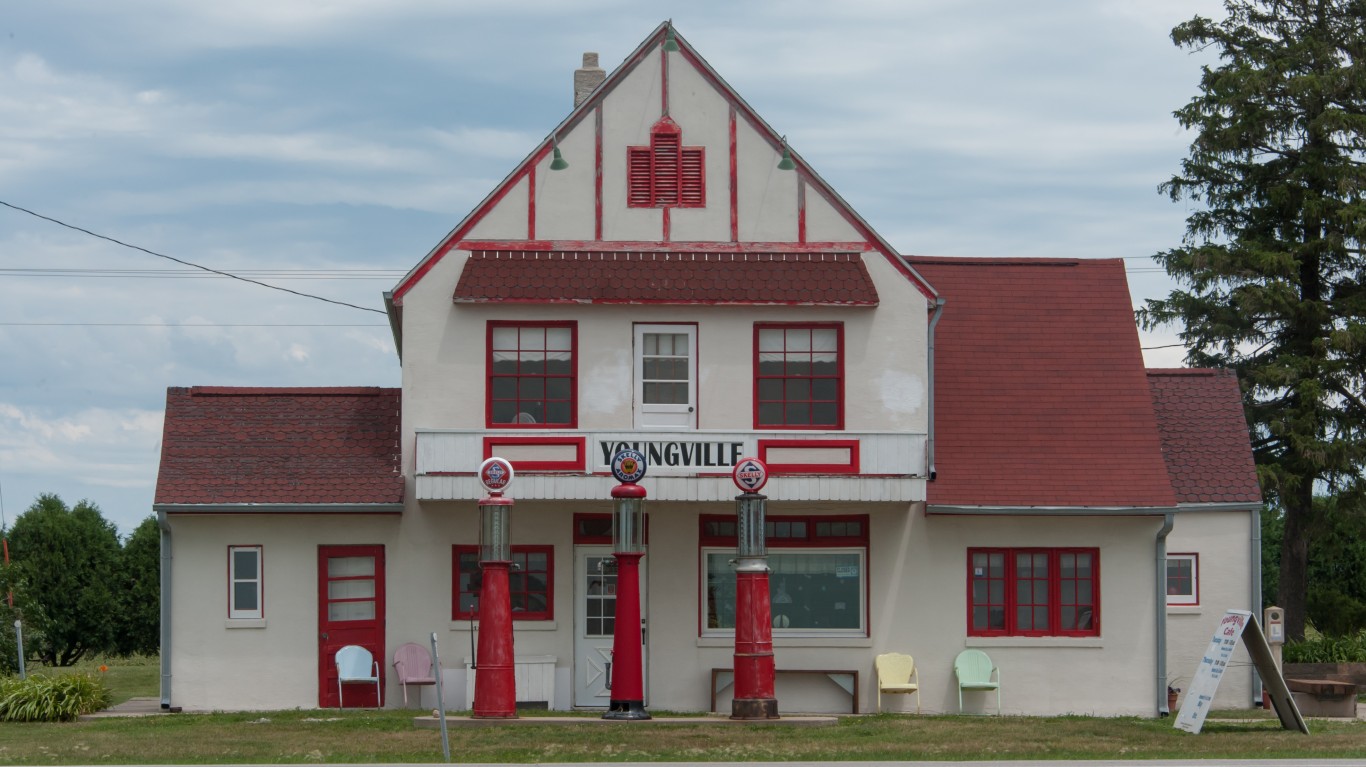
964 452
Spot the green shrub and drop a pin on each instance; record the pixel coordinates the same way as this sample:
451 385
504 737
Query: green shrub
1327 649
51 698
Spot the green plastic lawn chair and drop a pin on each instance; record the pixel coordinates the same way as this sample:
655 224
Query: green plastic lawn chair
974 671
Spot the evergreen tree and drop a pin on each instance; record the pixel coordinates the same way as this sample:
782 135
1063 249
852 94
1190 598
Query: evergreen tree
139 624
64 563
1272 280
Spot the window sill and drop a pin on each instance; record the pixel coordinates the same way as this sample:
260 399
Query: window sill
1070 642
516 625
1184 609
792 641
245 623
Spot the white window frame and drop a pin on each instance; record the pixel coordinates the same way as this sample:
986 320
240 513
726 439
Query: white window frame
259 579
778 631
1193 598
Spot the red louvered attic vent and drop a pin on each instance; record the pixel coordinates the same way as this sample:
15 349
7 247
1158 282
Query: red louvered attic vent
666 173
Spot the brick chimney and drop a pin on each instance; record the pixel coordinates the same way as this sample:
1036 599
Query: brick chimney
587 77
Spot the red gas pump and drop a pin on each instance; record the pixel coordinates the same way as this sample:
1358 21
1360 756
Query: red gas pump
495 681
627 699
754 696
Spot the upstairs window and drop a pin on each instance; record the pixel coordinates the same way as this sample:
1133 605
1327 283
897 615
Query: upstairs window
798 376
532 374
666 173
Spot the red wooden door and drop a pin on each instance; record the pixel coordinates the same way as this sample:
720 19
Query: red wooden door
350 611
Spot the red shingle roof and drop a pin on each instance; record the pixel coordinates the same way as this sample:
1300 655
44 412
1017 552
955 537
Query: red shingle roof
670 278
1041 398
1204 435
227 445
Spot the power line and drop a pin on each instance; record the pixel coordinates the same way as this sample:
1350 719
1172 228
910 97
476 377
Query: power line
186 263
180 326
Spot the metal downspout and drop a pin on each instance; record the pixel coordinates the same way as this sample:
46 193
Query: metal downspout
165 610
1256 606
1160 592
929 436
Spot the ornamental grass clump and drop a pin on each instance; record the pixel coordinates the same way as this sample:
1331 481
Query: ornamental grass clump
51 698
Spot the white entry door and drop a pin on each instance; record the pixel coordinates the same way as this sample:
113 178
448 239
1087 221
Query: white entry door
595 609
666 376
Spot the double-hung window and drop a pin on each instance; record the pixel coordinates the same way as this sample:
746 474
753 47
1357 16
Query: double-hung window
530 582
818 568
798 376
1034 592
532 374
246 592
1183 579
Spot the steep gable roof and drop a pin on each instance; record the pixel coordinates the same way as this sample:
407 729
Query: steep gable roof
1204 435
280 446
1041 399
394 299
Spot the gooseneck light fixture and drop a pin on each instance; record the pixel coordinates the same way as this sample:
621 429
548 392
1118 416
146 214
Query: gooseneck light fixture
670 43
786 163
557 161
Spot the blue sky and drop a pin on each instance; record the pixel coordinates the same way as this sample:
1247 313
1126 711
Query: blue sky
325 147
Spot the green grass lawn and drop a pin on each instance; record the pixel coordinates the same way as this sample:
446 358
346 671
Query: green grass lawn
136 677
390 736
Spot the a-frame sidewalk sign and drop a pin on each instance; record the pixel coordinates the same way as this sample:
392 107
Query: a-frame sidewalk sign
1236 625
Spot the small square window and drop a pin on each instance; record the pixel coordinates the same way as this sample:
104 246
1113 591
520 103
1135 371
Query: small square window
1183 579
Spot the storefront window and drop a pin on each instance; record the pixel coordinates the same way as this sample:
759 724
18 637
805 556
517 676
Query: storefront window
817 579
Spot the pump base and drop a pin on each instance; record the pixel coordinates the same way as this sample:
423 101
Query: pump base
754 708
626 710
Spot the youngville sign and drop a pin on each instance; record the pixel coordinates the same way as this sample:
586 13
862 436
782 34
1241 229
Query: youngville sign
677 454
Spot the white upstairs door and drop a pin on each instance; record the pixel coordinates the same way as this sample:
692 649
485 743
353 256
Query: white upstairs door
666 377
595 609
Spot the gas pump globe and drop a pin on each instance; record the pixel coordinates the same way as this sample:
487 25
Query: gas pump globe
627 682
495 683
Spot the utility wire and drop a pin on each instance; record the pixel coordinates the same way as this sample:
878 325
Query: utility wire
186 263
186 325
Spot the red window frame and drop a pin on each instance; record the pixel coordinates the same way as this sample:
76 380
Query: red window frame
793 382
495 398
790 530
1041 579
518 583
666 174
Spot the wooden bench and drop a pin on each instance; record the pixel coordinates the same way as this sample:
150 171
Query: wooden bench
1324 697
721 678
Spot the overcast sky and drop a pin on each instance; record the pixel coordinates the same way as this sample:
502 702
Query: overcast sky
325 147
